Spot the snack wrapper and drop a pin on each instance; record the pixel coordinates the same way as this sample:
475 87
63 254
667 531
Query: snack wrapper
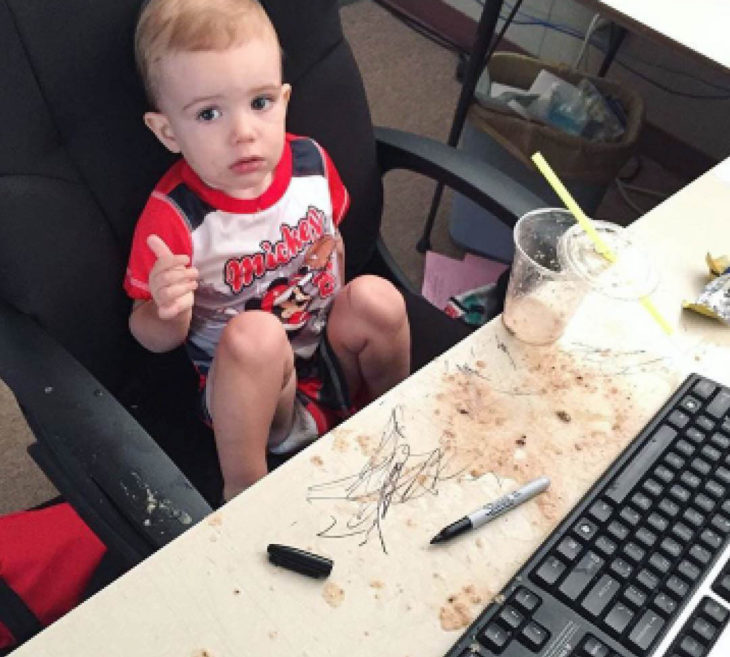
714 300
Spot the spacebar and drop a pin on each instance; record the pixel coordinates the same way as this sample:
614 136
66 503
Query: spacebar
624 483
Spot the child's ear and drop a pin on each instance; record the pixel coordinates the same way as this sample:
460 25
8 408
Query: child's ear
160 126
286 92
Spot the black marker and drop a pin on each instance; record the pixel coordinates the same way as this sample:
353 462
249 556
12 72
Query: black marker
493 510
300 561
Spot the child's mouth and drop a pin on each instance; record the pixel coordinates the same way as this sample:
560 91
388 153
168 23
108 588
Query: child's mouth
247 165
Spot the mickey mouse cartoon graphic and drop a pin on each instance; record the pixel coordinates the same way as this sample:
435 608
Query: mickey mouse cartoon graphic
290 298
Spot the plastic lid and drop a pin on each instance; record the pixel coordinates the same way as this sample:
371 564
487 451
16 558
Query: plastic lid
632 275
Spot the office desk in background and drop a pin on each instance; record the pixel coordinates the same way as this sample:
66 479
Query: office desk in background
489 414
700 26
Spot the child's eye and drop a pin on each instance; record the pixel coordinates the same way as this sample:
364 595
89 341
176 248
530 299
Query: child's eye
208 114
261 102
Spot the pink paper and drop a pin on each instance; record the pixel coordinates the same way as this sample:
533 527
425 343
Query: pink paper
444 277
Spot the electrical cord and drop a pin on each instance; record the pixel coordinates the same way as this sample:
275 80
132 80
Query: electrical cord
538 22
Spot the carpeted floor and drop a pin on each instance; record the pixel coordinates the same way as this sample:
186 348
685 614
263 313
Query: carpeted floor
410 82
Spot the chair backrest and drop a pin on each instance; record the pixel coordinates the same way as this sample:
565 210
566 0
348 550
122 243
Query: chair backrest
77 163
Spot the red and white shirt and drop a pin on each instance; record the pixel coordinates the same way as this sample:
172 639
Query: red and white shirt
275 252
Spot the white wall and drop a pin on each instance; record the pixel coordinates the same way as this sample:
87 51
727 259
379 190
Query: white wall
702 123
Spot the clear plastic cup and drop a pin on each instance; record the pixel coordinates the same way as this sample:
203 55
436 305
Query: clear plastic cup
629 277
543 292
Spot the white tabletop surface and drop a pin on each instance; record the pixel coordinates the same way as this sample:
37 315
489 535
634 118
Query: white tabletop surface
489 414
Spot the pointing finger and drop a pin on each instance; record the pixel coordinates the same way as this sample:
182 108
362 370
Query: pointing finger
159 247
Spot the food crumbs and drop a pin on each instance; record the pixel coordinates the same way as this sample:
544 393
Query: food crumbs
317 460
215 520
333 595
377 584
563 415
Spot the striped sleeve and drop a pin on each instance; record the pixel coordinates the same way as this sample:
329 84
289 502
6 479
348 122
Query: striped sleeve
163 218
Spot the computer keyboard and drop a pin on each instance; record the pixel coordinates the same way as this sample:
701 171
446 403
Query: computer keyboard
641 565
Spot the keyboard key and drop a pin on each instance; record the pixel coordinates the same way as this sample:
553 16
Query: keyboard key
679 493
711 453
700 465
621 568
647 579
688 570
704 503
665 604
671 547
550 570
635 596
653 487
646 630
703 388
633 552
585 529
641 501
663 473
695 435
570 548
660 563
715 611
721 441
643 535
721 586
719 405
605 545
715 489
579 578
619 617
704 629
704 423
601 595
720 523
691 647
723 475
617 530
493 637
678 419
592 647
677 586
601 511
534 636
630 516
690 404
690 479
711 539
694 518
526 599
682 532
668 507
511 617
658 521
700 554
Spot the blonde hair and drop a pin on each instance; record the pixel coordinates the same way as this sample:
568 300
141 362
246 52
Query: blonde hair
166 26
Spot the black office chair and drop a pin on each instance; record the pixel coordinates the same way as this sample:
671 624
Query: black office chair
115 426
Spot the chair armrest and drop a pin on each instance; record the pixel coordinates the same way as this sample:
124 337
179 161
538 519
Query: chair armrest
96 453
506 198
499 194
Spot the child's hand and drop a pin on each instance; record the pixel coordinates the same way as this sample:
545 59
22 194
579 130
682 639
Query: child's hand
171 281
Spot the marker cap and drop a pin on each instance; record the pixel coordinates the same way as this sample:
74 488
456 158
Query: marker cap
306 563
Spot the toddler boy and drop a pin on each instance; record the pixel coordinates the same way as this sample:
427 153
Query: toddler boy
237 253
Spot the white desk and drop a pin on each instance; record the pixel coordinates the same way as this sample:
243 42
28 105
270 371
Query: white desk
701 26
488 414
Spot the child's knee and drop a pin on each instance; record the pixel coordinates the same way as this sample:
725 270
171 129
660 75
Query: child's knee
379 301
255 338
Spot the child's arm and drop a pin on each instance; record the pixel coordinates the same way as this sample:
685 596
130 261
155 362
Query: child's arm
162 322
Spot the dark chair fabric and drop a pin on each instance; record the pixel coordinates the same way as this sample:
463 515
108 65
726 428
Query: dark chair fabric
76 167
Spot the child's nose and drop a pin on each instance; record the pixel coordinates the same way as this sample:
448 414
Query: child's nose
242 128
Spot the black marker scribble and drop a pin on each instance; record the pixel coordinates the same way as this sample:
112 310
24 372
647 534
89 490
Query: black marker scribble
392 475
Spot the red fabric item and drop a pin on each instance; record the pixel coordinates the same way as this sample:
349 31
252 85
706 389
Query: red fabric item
47 556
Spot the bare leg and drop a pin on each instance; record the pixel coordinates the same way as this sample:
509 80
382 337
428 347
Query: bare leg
368 330
252 385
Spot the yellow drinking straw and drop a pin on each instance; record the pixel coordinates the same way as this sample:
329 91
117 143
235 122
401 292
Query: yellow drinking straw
602 248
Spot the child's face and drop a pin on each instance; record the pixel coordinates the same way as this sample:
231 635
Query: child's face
225 112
